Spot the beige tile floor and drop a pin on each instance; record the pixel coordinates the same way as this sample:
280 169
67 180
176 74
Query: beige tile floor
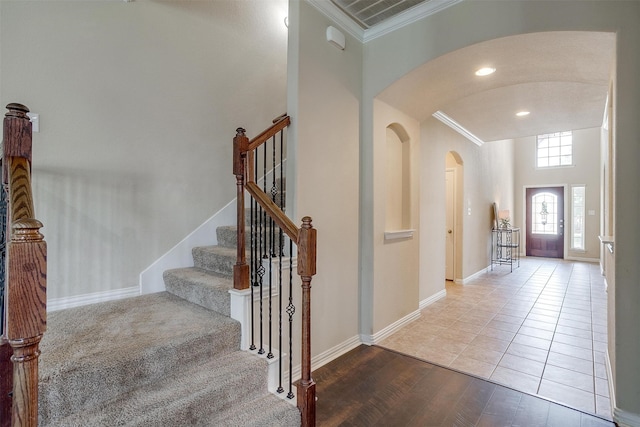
540 329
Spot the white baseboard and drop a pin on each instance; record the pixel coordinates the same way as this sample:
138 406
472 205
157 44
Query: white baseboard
180 255
612 390
329 355
433 298
625 419
583 259
473 276
56 304
621 417
384 333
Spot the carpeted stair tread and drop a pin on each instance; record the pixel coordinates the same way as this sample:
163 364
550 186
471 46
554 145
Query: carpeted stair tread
199 396
95 352
200 287
268 410
227 235
216 259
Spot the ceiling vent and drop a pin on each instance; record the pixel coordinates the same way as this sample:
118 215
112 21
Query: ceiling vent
368 13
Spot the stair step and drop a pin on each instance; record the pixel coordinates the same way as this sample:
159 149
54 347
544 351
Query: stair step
200 287
267 410
92 354
216 259
227 235
199 396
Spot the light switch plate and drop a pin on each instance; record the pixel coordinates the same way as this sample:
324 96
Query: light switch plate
34 118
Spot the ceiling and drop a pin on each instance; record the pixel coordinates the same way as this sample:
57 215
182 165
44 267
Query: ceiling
561 78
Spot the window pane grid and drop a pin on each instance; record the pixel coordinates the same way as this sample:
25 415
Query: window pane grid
555 149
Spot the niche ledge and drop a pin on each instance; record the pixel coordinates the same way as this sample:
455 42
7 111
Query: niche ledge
398 234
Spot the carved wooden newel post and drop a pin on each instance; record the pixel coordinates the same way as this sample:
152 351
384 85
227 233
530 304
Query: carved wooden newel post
26 269
241 269
306 270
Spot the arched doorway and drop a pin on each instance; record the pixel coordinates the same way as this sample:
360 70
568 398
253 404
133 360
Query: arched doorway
453 204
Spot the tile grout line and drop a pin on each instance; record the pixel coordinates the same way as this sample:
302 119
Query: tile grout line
520 327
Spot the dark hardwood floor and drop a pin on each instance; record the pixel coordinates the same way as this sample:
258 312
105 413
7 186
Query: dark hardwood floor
372 386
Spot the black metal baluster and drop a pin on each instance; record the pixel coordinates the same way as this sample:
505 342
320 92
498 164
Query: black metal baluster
282 183
253 217
280 389
291 309
263 249
271 251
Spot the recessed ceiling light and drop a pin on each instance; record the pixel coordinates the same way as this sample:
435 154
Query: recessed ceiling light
522 113
485 71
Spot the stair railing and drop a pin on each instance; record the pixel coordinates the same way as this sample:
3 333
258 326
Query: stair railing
24 293
271 237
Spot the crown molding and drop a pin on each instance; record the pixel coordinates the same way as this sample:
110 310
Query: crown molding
457 127
333 12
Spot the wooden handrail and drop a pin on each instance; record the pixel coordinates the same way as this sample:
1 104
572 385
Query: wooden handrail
273 211
278 124
26 269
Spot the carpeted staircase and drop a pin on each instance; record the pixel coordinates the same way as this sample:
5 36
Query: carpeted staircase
166 359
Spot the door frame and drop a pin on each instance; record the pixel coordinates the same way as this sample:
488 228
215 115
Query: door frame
454 218
523 236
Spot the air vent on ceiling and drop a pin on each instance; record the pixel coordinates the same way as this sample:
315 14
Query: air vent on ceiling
367 13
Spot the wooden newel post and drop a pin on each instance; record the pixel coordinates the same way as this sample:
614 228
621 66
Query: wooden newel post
26 275
306 270
26 314
241 268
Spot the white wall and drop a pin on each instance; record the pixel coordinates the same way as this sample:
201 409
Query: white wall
396 263
487 176
324 103
138 106
391 56
586 171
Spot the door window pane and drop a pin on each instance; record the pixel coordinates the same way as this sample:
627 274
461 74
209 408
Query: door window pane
544 213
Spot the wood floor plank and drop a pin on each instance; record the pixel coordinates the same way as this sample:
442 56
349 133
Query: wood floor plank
561 416
532 412
504 402
469 408
372 386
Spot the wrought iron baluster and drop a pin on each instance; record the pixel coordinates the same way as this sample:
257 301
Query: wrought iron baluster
253 215
263 250
280 388
282 183
291 309
272 225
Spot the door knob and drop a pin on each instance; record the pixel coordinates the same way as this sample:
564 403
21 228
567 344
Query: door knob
449 231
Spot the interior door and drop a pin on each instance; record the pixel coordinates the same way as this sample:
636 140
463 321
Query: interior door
545 222
450 179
